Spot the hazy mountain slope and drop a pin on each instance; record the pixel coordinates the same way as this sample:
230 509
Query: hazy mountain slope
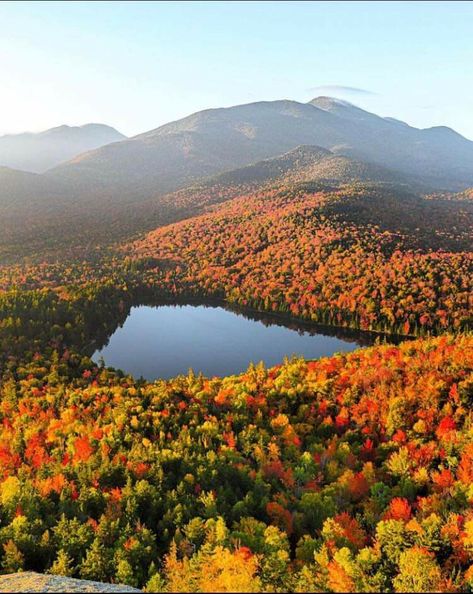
216 140
200 145
439 154
20 191
312 163
41 214
466 194
39 152
36 212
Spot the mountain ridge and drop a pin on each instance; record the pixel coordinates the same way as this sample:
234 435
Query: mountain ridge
212 141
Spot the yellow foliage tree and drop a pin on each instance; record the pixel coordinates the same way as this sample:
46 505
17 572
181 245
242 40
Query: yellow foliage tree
212 570
418 572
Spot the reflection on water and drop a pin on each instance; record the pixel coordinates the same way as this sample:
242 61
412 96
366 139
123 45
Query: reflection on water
167 340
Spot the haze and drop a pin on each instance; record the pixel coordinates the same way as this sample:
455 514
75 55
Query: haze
136 66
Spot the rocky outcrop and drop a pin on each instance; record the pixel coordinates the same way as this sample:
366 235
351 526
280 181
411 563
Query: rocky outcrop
37 582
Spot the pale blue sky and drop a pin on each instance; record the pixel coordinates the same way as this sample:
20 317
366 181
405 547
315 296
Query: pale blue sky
138 65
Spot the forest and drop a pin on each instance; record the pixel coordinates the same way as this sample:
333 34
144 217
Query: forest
405 265
332 475
350 473
236 296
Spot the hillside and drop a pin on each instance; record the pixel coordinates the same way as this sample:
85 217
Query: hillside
216 140
330 475
36 214
340 256
24 194
304 164
312 163
37 152
40 210
19 190
466 195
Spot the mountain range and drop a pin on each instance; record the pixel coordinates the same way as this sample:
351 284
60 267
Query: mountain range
181 169
217 140
42 151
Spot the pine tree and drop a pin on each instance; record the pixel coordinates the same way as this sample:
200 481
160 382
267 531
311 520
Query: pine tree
63 565
97 564
13 560
124 574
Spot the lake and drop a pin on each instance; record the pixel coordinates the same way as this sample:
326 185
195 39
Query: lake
164 341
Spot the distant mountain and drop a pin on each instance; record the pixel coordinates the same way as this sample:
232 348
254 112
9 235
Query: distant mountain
41 151
438 154
186 167
217 140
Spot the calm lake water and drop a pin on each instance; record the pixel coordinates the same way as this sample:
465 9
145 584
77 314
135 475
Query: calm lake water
167 340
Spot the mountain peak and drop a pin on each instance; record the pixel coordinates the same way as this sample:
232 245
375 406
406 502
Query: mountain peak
341 107
327 103
89 128
443 132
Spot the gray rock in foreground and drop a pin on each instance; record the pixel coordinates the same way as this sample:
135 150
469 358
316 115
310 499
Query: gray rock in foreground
38 582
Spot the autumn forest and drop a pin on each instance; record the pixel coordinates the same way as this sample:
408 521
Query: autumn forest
352 472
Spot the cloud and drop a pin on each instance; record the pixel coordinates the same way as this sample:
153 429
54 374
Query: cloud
340 89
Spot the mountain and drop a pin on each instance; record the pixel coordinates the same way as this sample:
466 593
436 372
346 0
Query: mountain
307 165
184 168
41 151
216 140
438 154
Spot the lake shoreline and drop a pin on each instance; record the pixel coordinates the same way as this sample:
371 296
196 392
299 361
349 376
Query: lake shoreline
161 340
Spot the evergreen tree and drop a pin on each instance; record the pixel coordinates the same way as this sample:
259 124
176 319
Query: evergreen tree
13 559
97 564
124 574
63 565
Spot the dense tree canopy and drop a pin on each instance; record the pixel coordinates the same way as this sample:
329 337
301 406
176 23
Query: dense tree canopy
338 474
320 256
350 473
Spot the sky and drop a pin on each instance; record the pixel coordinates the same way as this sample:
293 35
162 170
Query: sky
137 65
